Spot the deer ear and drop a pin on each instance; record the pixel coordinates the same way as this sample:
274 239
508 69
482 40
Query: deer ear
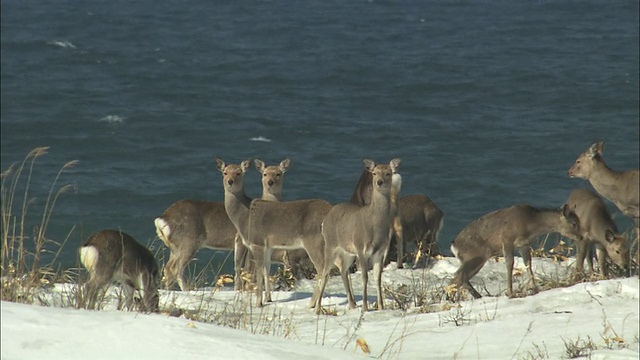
565 210
246 165
369 164
395 164
220 164
609 236
596 149
284 165
259 164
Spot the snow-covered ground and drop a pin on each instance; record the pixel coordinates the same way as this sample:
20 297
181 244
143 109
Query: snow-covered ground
600 317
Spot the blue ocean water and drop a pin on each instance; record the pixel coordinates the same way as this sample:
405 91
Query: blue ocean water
487 103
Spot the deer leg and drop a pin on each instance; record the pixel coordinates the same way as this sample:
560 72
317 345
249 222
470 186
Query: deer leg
316 254
91 289
525 252
169 278
364 264
128 290
377 274
508 257
601 254
399 232
267 271
467 270
582 248
240 254
323 278
179 264
258 258
344 263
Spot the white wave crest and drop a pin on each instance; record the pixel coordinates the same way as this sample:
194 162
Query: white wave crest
260 138
112 119
63 44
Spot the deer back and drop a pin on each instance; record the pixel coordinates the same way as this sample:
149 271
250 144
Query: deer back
281 223
196 223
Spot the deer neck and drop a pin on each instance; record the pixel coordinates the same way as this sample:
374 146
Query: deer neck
604 180
271 196
380 206
546 221
237 206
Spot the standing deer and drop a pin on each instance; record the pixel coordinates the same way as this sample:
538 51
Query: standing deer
189 225
351 231
416 218
501 232
597 227
272 179
112 255
288 226
621 188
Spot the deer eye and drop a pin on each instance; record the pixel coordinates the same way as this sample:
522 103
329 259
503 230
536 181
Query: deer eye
225 173
265 175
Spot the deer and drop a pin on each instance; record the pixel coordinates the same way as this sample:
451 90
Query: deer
621 188
189 225
114 256
352 231
287 225
296 259
238 206
501 232
416 218
597 228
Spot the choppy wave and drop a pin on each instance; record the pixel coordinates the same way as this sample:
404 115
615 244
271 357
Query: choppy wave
112 119
260 138
63 44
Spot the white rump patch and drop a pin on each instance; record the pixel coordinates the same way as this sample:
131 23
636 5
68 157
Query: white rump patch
396 182
162 229
89 257
454 251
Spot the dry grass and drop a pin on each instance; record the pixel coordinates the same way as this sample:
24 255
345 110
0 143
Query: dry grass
23 244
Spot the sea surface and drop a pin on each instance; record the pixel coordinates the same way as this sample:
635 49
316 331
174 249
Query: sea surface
487 103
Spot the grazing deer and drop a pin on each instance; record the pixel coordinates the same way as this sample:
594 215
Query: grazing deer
112 255
501 232
621 188
352 231
597 227
189 225
416 219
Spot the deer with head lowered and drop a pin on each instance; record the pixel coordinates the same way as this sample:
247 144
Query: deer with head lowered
352 231
597 228
621 188
416 218
189 225
267 225
501 232
114 256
